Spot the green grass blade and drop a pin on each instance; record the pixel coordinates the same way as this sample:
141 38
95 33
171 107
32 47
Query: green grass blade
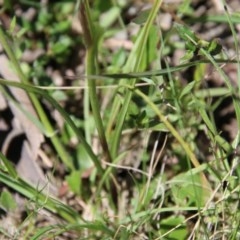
133 64
218 18
160 72
215 136
90 35
11 170
236 44
47 202
93 227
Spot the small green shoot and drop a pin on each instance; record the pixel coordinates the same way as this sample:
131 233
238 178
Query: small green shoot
194 44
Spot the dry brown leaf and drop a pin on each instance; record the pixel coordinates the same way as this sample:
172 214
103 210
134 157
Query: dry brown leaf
27 166
34 136
31 172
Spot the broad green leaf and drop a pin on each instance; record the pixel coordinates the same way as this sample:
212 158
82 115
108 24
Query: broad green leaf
187 190
199 73
187 35
141 17
188 55
214 47
202 43
109 17
119 58
185 7
59 95
194 43
74 181
12 25
60 27
7 201
61 45
168 225
83 159
159 127
187 90
153 41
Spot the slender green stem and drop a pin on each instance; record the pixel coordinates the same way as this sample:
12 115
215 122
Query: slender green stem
91 68
86 113
91 43
90 35
11 170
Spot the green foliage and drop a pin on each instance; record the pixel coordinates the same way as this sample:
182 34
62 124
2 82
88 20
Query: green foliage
142 17
74 181
7 201
186 8
53 25
187 190
110 17
172 176
169 223
194 43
